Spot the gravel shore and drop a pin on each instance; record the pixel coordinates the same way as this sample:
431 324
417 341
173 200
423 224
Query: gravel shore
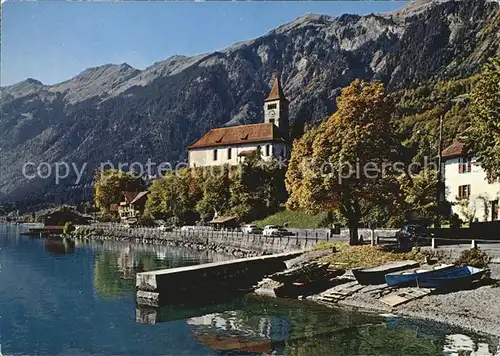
477 309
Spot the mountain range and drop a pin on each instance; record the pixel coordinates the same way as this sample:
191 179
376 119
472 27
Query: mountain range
122 114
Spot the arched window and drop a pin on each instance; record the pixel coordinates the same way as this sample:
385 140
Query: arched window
268 150
229 153
215 154
258 150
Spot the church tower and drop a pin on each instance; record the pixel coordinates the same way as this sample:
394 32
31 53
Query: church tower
276 107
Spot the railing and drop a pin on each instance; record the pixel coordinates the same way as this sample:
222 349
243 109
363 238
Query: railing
178 234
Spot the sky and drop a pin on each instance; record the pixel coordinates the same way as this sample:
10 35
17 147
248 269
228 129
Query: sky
52 41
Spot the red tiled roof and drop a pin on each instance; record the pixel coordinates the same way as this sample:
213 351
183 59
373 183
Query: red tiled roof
139 197
239 135
276 90
129 196
456 149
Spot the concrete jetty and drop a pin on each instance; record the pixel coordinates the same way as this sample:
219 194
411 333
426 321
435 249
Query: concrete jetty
206 280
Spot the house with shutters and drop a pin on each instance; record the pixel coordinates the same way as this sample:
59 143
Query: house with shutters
230 145
467 186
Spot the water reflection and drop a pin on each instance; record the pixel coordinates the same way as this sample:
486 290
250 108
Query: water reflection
82 302
117 264
59 246
459 344
258 325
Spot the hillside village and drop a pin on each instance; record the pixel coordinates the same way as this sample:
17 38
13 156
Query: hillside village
468 193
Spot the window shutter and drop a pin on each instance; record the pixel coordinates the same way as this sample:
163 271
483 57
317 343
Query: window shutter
460 166
469 161
468 191
459 192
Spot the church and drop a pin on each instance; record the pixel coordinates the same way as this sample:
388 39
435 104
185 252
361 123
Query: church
230 145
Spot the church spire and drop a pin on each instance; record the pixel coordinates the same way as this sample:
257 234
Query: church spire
276 91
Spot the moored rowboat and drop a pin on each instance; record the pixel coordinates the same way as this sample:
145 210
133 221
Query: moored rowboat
376 275
451 278
408 278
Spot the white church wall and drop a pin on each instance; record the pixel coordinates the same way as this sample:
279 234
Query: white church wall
204 157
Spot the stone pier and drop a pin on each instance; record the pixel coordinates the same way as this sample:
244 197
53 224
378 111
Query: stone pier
207 280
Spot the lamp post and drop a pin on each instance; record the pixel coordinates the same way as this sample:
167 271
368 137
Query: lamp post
439 181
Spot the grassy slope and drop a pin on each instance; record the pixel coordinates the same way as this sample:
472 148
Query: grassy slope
346 256
295 219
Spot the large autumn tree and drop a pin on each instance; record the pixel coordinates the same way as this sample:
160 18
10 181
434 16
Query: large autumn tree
346 162
484 108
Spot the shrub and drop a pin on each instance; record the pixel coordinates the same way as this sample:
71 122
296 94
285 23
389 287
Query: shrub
68 228
474 258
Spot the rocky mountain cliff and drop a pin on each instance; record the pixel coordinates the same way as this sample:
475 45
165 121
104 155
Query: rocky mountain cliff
121 114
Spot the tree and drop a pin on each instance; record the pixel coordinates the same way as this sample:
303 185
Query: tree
346 163
484 137
257 188
175 196
215 198
418 193
109 185
467 209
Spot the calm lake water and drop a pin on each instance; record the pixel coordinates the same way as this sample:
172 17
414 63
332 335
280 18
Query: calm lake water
58 299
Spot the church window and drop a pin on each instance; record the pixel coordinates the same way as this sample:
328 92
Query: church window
268 151
215 155
229 153
271 106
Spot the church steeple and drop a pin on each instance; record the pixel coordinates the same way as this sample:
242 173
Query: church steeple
276 91
276 106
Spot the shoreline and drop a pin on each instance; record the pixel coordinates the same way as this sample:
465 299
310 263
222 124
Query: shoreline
476 310
195 244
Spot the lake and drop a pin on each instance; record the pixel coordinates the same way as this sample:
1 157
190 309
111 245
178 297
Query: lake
59 298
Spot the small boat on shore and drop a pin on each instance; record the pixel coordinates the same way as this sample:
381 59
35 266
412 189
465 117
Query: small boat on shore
302 273
408 278
294 289
457 277
376 275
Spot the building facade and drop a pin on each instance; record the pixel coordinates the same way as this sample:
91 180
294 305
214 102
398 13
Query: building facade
132 206
473 195
230 145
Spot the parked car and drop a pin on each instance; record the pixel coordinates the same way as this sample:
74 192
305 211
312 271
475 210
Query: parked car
285 232
409 235
274 230
251 229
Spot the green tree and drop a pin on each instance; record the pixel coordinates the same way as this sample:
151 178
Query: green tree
346 163
418 193
109 185
484 137
215 196
174 197
257 188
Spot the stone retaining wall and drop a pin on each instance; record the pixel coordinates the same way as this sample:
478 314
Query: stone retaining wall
237 244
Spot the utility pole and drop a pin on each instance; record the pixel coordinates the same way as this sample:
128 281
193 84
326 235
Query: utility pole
439 183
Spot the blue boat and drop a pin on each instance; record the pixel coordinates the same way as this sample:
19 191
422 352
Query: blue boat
449 277
408 277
